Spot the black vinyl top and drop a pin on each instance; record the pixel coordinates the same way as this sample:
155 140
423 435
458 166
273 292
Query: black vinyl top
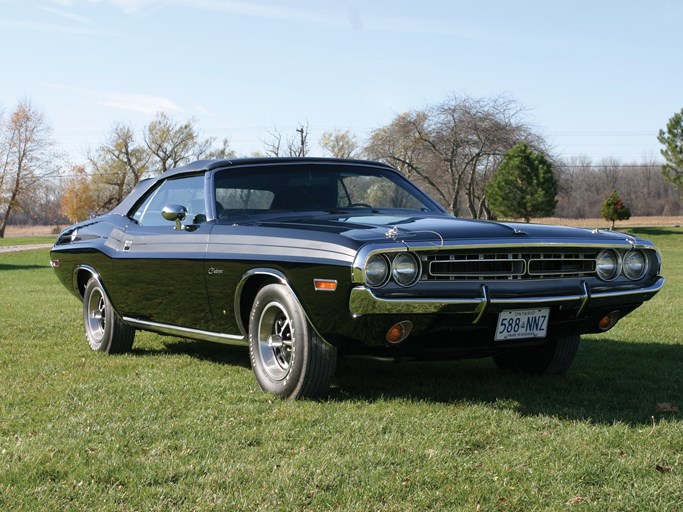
207 165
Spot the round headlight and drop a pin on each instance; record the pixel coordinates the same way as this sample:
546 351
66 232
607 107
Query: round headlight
376 270
607 265
635 264
405 269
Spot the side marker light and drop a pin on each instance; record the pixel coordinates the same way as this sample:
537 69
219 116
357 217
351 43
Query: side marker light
324 285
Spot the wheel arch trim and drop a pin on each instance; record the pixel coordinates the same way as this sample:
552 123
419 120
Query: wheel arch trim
239 289
77 282
281 279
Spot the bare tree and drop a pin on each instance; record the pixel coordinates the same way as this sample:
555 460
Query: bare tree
170 142
278 146
401 144
454 147
340 144
299 146
27 159
121 162
207 150
118 165
45 206
577 186
273 146
584 186
610 170
173 143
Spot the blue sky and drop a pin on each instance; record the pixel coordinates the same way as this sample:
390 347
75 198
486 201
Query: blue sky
598 78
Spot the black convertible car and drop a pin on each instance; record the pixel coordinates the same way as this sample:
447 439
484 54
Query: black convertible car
302 259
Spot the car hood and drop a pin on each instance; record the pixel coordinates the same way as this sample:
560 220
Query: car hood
438 228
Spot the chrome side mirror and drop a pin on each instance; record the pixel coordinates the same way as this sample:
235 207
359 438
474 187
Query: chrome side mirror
174 212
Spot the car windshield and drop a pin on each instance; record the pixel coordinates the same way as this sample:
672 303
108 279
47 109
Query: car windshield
327 188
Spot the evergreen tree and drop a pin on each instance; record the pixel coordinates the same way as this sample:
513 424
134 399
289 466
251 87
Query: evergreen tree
672 140
523 186
613 209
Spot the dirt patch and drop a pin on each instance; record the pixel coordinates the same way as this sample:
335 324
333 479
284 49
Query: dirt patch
14 248
641 222
14 231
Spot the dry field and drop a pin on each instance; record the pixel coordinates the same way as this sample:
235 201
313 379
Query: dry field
602 223
16 231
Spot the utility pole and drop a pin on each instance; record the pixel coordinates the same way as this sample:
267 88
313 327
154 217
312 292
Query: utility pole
302 150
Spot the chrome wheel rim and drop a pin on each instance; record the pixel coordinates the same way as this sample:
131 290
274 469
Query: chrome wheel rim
275 341
97 317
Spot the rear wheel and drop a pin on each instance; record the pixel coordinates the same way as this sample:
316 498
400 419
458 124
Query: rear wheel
104 328
551 358
288 357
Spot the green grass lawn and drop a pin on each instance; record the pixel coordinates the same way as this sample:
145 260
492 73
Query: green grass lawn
28 240
180 425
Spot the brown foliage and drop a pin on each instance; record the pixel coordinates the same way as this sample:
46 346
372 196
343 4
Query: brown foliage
78 199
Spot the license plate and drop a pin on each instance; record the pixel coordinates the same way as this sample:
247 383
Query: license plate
516 324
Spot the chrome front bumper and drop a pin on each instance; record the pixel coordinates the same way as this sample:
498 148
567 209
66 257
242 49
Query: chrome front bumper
363 301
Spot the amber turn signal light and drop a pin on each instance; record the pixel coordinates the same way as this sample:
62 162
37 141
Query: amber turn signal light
608 321
325 285
400 331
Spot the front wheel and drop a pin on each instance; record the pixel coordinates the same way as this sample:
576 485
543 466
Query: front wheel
104 328
288 357
551 358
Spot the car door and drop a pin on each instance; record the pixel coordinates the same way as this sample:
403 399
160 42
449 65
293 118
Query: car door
159 264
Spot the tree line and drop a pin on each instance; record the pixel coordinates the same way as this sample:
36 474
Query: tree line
452 149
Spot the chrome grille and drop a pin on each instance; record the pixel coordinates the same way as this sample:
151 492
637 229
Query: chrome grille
508 265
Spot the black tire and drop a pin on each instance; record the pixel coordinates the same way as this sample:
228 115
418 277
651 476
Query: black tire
551 358
104 328
288 357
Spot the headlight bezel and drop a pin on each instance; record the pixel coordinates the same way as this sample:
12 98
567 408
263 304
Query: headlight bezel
644 266
380 259
615 272
399 268
396 272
